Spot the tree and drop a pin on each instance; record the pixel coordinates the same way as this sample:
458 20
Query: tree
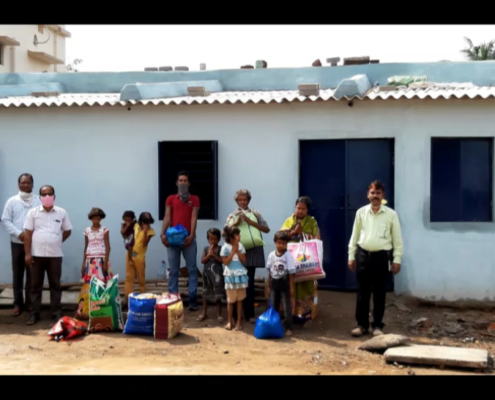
71 67
484 51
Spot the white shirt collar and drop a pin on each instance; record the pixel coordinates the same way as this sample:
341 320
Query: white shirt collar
380 210
42 209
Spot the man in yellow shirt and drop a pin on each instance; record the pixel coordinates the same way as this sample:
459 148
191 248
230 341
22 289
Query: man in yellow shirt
375 234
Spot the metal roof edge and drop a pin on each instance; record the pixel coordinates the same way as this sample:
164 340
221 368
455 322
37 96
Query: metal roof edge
253 97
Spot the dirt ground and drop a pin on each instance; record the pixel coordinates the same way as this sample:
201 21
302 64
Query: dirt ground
325 348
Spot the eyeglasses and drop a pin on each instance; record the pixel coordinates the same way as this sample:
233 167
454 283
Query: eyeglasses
46 194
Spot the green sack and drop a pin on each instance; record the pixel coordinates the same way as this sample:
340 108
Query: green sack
406 80
250 236
105 310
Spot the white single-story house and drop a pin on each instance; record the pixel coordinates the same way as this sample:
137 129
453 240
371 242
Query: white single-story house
117 140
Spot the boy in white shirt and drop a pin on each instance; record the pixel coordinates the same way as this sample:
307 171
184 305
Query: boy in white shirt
282 269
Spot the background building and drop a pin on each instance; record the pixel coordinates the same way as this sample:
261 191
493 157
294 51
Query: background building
101 139
32 48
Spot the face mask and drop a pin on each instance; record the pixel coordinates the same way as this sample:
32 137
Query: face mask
48 201
26 197
183 191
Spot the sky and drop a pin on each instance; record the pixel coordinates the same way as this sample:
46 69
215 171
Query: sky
134 47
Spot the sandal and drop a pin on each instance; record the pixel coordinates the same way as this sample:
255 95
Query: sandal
239 328
201 318
228 326
17 311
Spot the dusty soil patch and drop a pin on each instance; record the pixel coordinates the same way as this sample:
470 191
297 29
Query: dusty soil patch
206 348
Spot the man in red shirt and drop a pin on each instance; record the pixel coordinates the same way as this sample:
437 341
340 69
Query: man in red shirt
183 208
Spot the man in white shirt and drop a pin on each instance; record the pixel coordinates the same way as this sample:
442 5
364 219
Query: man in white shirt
46 228
13 218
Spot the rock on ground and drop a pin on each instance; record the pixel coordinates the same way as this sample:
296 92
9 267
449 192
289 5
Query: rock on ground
384 342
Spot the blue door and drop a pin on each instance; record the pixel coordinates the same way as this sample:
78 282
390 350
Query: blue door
336 175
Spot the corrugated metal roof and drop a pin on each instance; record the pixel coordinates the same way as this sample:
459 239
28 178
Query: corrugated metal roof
458 91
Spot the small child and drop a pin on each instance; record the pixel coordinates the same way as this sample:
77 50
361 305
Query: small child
235 274
96 248
281 279
213 283
136 265
127 231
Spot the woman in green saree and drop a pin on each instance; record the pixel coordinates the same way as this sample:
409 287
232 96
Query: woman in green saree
298 226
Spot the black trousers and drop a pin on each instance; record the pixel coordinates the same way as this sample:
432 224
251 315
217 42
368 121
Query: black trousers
18 269
280 290
53 268
371 276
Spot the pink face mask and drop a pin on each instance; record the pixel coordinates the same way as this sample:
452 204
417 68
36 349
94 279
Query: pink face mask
47 201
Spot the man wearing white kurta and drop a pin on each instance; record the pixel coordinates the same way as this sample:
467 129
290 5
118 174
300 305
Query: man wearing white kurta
13 218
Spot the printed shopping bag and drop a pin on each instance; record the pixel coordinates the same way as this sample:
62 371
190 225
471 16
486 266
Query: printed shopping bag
308 257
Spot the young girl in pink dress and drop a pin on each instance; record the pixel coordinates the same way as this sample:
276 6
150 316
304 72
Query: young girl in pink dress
96 249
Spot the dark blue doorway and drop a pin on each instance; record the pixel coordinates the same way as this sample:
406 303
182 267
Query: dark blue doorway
336 175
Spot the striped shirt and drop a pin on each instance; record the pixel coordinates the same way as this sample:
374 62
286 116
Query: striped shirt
376 232
14 216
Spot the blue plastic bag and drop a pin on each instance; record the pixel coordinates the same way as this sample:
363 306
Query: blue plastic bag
176 235
269 326
141 319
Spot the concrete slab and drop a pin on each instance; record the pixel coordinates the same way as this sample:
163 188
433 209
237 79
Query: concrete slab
7 293
333 61
45 297
70 297
7 297
438 356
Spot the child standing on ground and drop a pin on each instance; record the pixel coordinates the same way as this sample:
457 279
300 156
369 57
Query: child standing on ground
213 283
96 248
95 260
235 274
282 269
127 231
136 264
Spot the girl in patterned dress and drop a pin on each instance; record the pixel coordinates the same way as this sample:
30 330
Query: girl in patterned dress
235 274
213 284
96 249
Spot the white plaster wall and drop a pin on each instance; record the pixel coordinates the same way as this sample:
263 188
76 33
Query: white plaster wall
107 157
24 34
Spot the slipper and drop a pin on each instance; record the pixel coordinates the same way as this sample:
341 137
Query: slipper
228 327
220 319
17 311
239 328
201 318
